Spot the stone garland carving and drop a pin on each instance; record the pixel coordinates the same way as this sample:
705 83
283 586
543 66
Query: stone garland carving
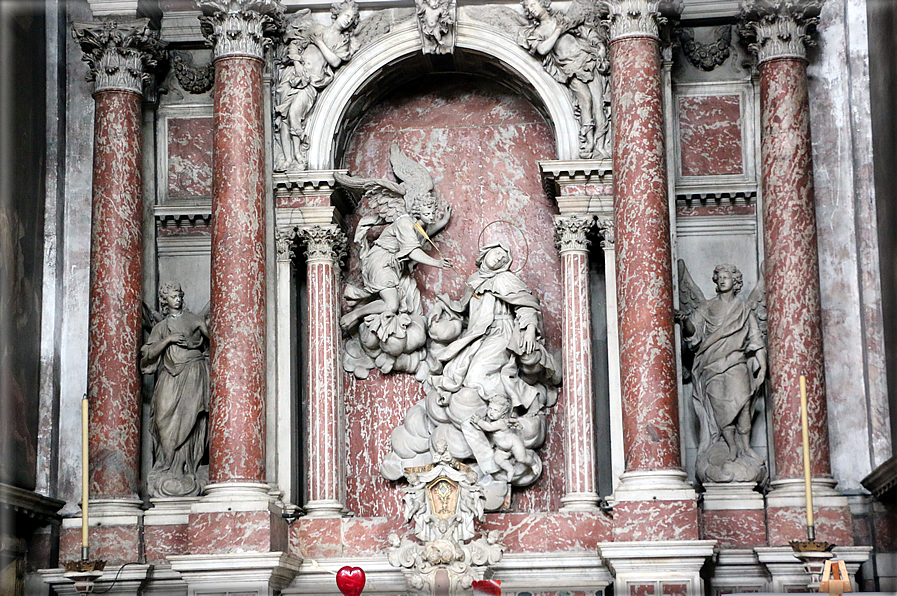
177 352
436 21
386 321
443 501
492 381
305 65
120 54
779 28
240 27
570 233
706 56
192 79
573 49
727 338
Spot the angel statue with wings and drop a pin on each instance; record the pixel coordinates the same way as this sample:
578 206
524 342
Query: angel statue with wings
573 51
386 309
727 338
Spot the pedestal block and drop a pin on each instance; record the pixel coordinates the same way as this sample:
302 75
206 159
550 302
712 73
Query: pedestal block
733 514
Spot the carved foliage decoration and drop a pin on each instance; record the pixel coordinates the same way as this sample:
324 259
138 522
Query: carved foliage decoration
240 27
638 17
322 243
192 79
706 56
436 20
570 232
120 54
779 28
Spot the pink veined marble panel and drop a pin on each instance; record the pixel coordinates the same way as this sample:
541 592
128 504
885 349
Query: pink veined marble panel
642 589
671 589
184 232
551 532
480 143
698 210
162 541
113 544
189 157
833 524
644 271
710 135
735 528
230 532
655 520
116 263
886 530
587 189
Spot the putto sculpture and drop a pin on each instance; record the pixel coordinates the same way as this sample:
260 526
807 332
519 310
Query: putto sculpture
386 321
306 63
436 20
491 383
177 352
727 338
573 49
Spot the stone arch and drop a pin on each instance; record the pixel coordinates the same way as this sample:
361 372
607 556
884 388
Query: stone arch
327 126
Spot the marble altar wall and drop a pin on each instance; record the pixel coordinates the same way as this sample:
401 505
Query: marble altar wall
480 142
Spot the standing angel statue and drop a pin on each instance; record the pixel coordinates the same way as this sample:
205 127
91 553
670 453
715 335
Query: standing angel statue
177 351
573 51
386 316
728 340
308 59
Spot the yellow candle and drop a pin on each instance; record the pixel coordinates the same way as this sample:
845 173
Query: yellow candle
85 478
805 428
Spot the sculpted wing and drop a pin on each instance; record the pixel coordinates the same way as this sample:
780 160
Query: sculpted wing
415 177
757 303
149 317
386 198
583 12
690 295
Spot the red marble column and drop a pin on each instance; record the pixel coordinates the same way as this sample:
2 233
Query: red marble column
580 484
792 269
118 54
326 422
238 315
644 270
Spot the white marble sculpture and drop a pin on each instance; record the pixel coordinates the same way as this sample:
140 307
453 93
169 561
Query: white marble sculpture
306 63
727 374
436 20
573 50
491 383
386 322
443 501
177 352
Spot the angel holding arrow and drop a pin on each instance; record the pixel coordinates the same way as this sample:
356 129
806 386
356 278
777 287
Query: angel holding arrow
728 372
388 302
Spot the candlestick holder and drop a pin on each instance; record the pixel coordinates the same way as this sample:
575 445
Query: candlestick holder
813 554
84 573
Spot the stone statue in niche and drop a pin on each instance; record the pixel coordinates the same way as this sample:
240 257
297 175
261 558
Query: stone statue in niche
727 338
305 64
491 383
177 352
443 501
386 321
436 20
573 50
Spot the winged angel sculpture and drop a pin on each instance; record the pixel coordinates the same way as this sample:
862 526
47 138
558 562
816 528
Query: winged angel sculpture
573 50
728 339
386 308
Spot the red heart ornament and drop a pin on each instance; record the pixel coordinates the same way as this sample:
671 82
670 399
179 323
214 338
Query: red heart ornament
350 580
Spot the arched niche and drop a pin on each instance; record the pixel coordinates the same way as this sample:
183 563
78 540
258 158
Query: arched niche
396 58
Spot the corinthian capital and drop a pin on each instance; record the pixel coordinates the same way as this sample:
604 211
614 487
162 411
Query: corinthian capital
606 227
779 28
240 27
323 243
120 54
570 232
639 18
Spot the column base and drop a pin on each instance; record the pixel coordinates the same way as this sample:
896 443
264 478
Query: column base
672 568
580 502
787 506
733 514
236 517
114 532
129 582
255 574
324 508
654 485
655 505
790 574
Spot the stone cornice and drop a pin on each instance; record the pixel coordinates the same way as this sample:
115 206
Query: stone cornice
121 54
240 27
639 18
779 28
570 232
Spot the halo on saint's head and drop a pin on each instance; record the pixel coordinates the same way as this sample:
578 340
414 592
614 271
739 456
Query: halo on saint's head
495 222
